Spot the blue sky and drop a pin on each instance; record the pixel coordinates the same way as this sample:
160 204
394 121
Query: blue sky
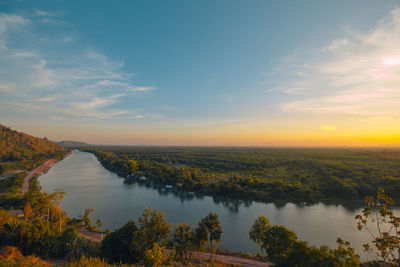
197 72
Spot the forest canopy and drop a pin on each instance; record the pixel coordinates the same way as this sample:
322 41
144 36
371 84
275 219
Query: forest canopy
266 174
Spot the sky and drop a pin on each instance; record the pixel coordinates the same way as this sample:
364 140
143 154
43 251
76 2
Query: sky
209 72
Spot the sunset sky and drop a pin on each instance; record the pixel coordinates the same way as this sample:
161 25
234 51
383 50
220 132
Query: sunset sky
209 72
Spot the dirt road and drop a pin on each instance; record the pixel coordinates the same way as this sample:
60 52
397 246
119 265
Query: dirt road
201 256
96 237
230 260
39 170
226 259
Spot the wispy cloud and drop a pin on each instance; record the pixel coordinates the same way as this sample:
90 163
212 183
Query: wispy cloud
11 22
43 13
358 74
75 83
6 87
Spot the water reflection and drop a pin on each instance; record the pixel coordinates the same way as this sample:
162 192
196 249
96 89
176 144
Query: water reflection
88 184
233 205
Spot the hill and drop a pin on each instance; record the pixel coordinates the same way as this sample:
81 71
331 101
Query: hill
22 151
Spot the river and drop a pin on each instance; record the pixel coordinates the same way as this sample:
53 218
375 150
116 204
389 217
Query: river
89 185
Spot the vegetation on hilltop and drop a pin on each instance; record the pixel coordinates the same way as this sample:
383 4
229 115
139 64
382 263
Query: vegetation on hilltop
22 151
264 174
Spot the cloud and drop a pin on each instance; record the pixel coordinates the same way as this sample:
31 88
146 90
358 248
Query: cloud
46 99
57 118
98 102
6 87
142 88
24 54
42 13
337 44
358 74
75 83
11 22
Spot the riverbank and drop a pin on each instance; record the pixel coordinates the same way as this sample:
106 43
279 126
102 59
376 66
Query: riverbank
193 181
89 184
42 169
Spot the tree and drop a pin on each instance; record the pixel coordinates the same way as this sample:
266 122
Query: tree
183 239
129 243
258 230
153 227
155 257
212 224
120 245
99 224
59 194
284 249
27 211
201 236
278 242
86 219
378 219
69 239
132 166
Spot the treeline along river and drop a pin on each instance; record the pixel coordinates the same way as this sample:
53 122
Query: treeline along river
89 185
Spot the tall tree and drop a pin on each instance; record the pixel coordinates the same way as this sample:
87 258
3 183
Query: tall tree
27 211
183 239
121 246
258 230
201 236
213 226
153 227
378 219
59 194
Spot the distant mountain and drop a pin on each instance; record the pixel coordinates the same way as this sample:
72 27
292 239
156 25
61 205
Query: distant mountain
22 151
71 143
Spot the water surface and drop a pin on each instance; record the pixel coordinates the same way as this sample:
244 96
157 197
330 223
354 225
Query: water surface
89 185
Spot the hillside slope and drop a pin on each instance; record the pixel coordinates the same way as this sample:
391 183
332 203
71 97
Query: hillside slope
22 151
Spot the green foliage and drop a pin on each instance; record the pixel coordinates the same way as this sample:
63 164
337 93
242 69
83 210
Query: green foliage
45 205
121 245
10 191
153 227
258 230
129 243
214 230
87 221
378 219
184 240
284 249
155 257
263 174
74 246
201 236
43 231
